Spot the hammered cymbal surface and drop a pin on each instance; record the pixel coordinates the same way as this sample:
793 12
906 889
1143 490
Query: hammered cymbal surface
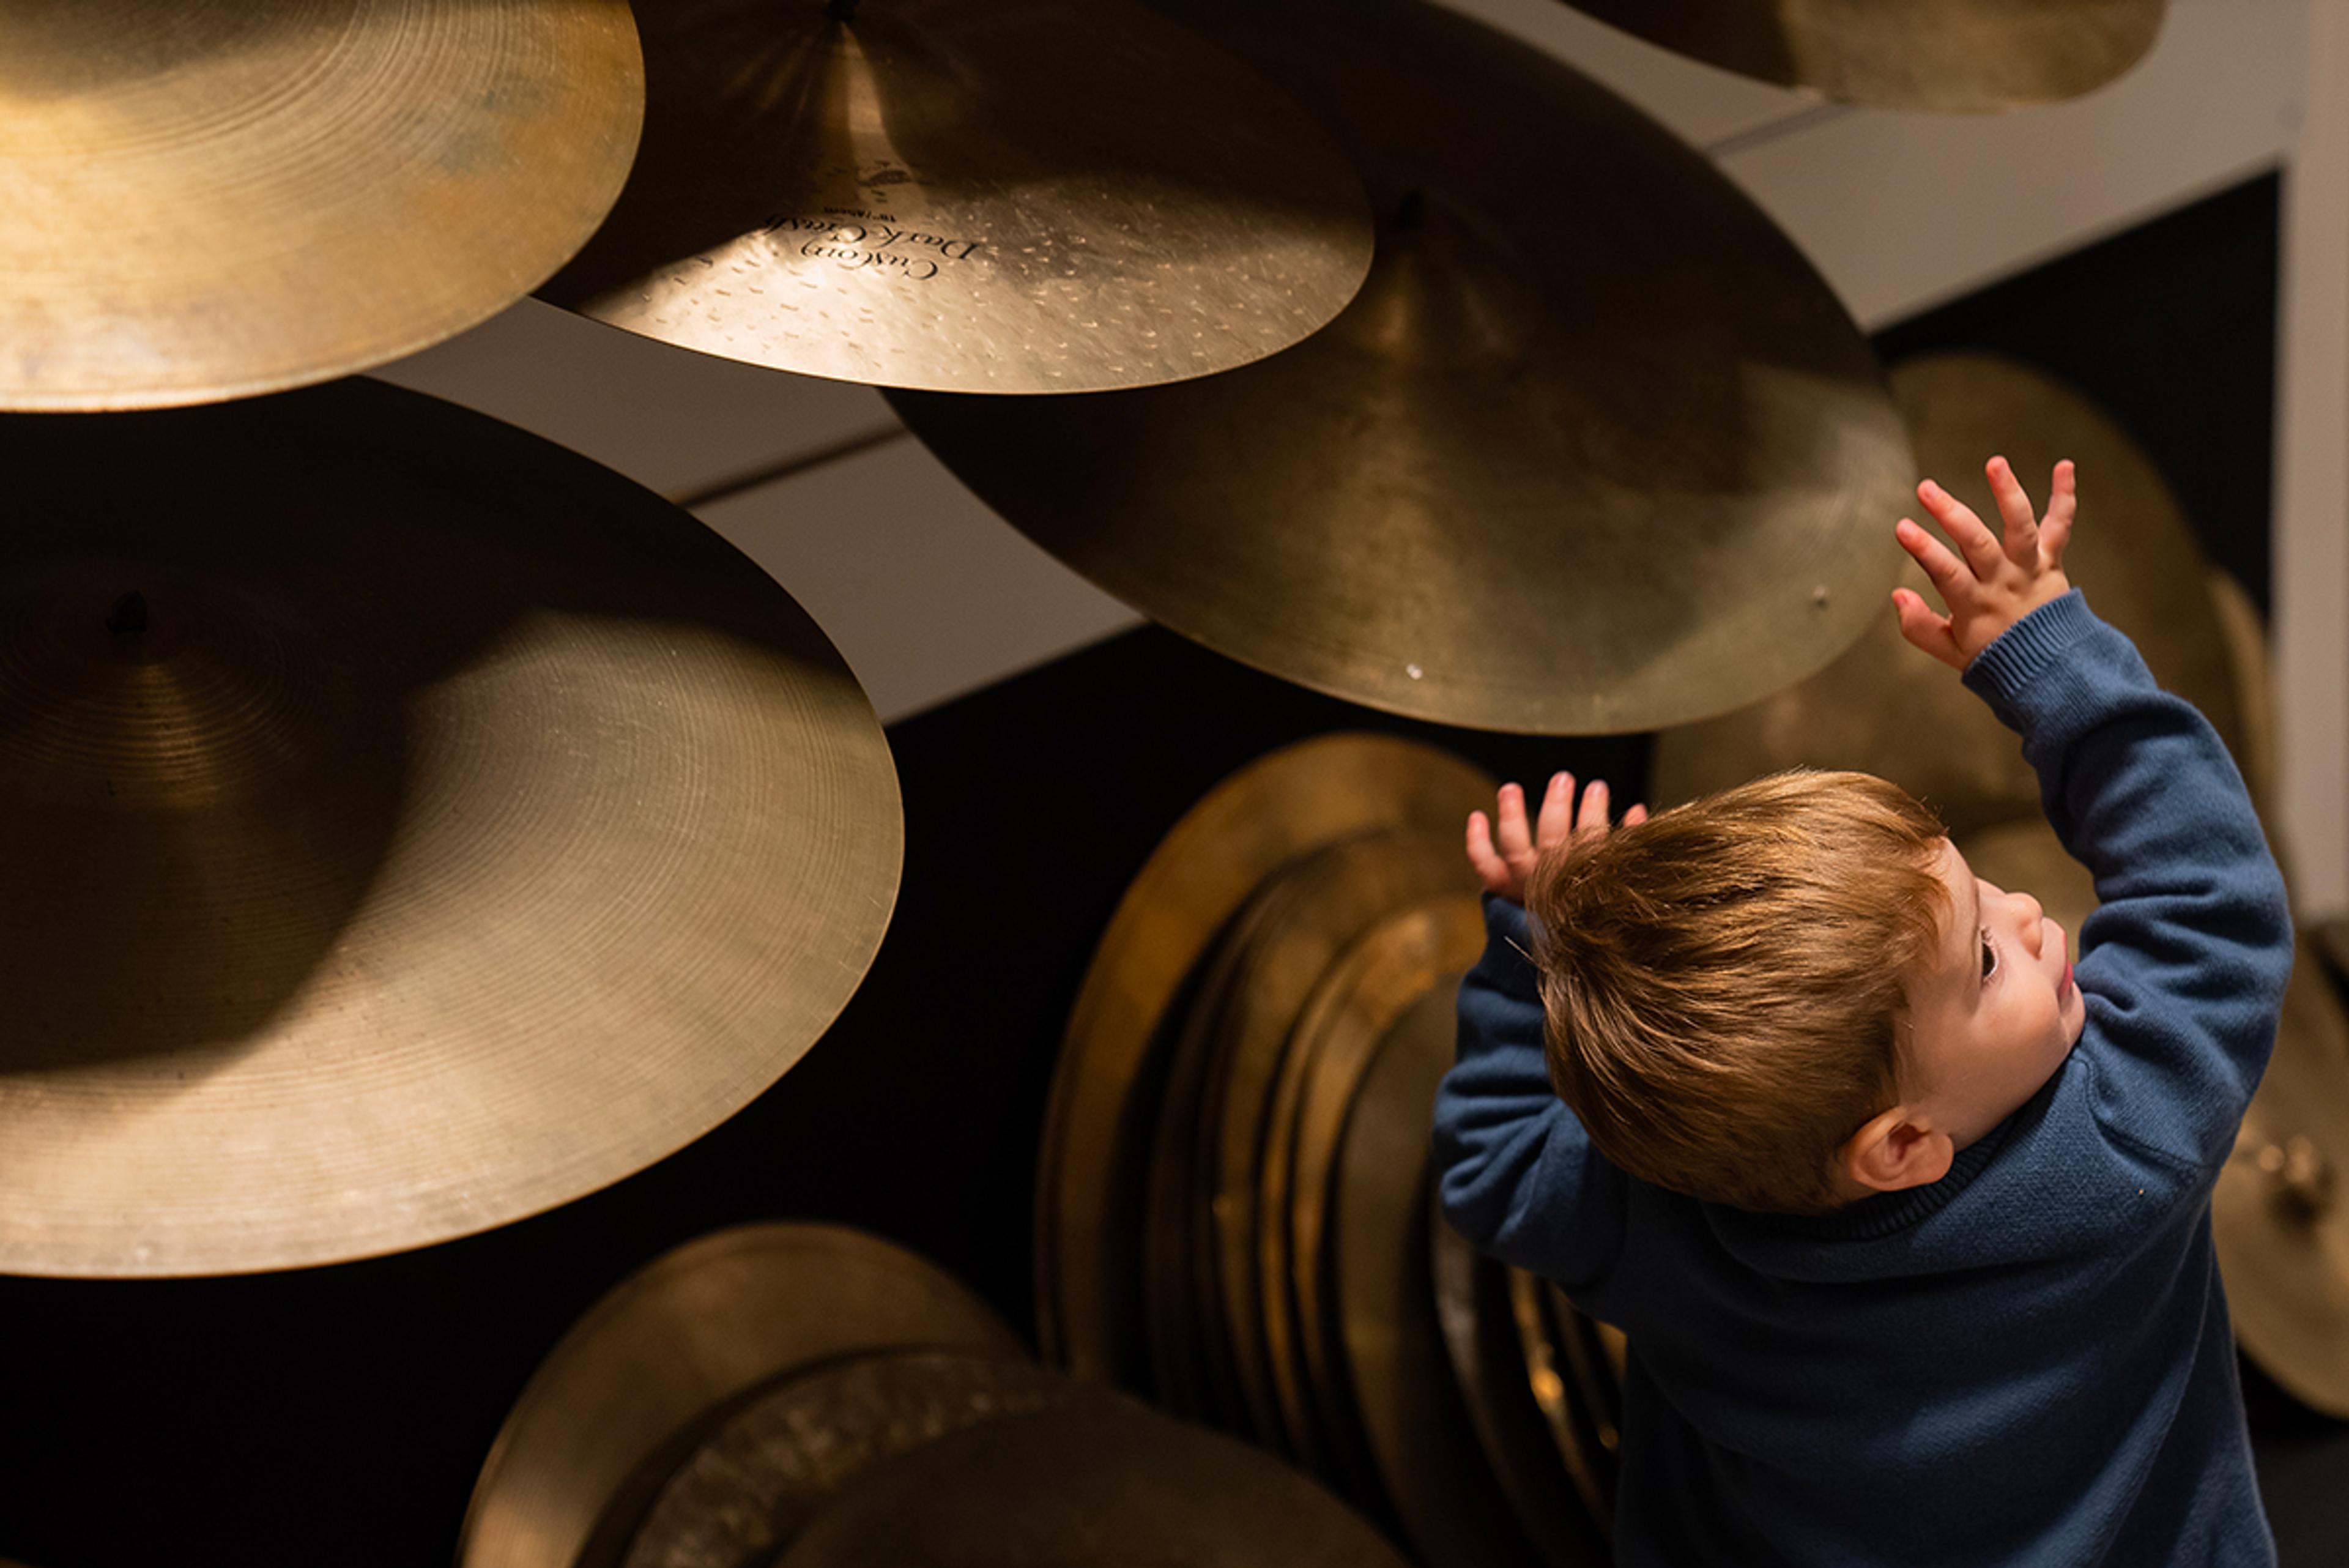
1111 1483
757 1482
1022 196
1452 503
210 198
410 825
631 1390
1099 1121
1952 55
1884 708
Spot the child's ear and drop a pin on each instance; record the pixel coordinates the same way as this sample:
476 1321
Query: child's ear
1894 1152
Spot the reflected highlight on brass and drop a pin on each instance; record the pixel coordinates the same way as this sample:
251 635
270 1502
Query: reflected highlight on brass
1968 54
410 825
1019 196
208 199
1594 449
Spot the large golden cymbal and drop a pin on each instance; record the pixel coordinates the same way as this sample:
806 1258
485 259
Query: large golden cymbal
1594 449
1080 1488
207 199
647 1373
1019 196
410 825
1976 55
1098 1123
1886 708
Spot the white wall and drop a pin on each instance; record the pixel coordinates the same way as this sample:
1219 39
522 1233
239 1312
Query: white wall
928 595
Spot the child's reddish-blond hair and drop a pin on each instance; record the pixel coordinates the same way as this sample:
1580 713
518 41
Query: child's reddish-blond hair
1723 983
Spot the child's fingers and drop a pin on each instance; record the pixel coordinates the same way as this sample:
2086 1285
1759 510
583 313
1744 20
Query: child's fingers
1556 813
2063 501
2021 541
1971 535
1636 815
1510 832
1490 869
1951 576
1926 630
1593 818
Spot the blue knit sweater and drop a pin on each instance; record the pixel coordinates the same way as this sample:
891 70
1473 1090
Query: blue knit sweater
2028 1362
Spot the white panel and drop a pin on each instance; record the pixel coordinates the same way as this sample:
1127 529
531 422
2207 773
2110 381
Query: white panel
1902 212
927 593
668 418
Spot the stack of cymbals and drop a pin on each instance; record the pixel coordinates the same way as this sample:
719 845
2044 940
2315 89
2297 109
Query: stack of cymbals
1234 1202
803 1394
2283 1234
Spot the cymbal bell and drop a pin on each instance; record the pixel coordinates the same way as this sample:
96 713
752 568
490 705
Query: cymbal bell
1884 708
1092 1168
213 201
410 825
1024 196
634 1388
1077 1488
772 1467
1963 55
1528 480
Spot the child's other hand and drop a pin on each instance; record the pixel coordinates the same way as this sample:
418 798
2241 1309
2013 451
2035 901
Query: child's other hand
1988 582
1505 855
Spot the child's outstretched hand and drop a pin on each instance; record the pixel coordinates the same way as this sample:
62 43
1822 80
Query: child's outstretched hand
1505 856
1988 582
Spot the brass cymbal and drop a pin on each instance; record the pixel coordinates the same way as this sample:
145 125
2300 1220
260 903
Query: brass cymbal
2277 1217
410 825
762 1476
629 1392
209 199
1430 1466
1472 1304
1382 972
1594 1355
1097 1124
1455 500
1114 1482
1886 708
1024 196
1962 55
2252 675
1571 1426
1327 904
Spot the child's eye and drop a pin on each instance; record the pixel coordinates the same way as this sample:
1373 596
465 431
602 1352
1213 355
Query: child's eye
1989 957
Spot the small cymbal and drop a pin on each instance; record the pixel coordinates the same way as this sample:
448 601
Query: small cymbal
1387 968
1964 55
410 825
1082 1487
1452 502
1026 196
1886 708
1327 904
763 1476
1091 1171
2278 1215
211 201
1472 1303
631 1390
1430 1466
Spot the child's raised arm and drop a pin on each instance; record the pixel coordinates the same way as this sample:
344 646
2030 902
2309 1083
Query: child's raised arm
2183 965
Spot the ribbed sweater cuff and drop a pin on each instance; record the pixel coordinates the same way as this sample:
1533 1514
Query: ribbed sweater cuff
1999 672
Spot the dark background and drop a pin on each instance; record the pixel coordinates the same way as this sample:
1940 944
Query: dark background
340 1414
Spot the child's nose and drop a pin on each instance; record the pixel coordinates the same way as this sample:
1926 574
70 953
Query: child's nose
2035 920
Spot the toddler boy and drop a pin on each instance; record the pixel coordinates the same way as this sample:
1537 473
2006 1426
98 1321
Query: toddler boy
1909 1227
